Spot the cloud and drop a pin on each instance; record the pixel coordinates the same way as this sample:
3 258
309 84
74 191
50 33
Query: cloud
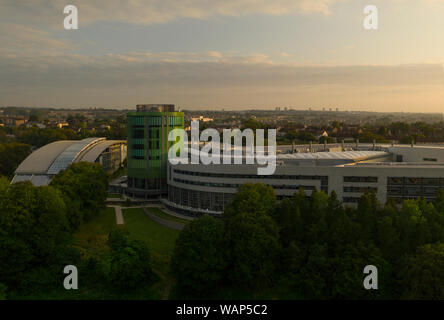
50 12
211 79
20 40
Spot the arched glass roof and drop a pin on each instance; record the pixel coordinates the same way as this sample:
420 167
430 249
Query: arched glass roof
69 155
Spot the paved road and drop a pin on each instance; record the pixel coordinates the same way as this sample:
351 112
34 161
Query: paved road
164 222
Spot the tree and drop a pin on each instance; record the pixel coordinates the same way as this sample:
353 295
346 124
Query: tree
3 290
254 198
85 188
34 231
11 155
199 258
33 118
129 262
422 275
253 249
289 221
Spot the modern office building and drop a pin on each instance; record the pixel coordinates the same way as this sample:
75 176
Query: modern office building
148 146
41 165
393 173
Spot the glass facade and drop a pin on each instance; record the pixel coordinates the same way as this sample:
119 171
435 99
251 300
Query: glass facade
148 145
402 188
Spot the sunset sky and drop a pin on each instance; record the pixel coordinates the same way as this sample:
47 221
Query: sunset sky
232 54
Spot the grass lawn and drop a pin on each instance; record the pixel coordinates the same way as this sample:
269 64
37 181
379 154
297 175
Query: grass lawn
162 214
92 237
160 241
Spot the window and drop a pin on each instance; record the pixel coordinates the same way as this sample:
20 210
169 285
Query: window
394 190
413 191
415 181
360 179
350 199
360 189
430 159
430 181
395 180
139 134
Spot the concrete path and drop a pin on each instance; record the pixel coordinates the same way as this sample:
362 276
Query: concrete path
119 215
167 223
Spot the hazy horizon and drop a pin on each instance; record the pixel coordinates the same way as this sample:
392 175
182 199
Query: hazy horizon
233 54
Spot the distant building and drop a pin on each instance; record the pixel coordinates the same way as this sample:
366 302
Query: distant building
105 127
35 124
41 165
62 125
12 121
202 118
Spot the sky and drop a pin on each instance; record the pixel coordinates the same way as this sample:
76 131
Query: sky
230 54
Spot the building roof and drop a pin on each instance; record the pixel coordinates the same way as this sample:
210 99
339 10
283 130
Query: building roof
345 155
40 160
57 156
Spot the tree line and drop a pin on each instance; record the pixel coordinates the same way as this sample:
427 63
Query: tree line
313 248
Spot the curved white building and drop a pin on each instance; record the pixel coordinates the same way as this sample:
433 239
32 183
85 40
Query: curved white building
41 165
394 173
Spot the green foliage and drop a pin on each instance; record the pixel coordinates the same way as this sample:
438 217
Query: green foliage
129 262
299 136
11 155
39 137
199 259
3 290
422 273
253 198
85 189
368 137
315 248
34 232
253 247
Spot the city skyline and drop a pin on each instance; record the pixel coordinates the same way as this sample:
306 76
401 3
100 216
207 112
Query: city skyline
231 54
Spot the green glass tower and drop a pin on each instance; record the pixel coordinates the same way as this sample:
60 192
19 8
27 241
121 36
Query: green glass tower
147 131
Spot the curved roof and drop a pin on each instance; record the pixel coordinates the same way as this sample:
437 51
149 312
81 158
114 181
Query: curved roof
345 155
57 156
40 160
70 154
95 151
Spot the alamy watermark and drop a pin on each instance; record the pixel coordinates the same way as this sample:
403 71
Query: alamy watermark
182 152
371 281
71 280
71 21
371 18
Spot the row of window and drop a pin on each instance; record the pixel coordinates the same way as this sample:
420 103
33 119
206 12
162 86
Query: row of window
360 179
234 185
146 184
412 190
350 199
415 181
199 199
360 189
323 179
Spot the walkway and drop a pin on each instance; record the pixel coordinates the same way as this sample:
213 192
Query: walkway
167 223
119 215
